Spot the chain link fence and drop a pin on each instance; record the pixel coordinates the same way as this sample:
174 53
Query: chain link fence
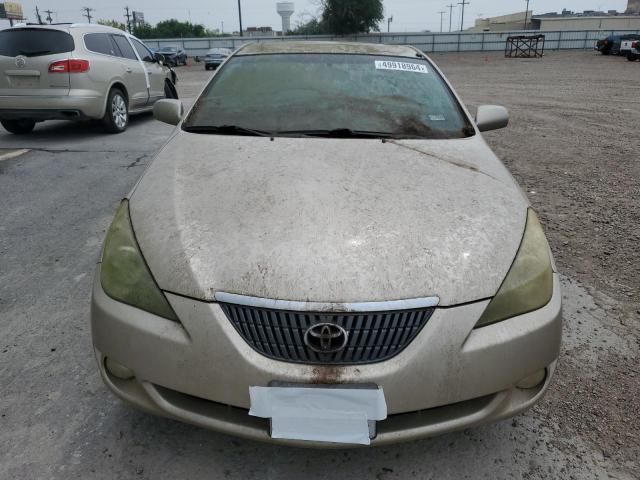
427 42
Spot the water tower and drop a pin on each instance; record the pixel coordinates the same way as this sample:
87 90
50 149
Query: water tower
285 10
633 7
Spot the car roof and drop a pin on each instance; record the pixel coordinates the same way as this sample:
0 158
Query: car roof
68 26
349 48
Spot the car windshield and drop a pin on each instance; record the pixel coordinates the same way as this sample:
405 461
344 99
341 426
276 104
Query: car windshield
219 51
330 95
168 49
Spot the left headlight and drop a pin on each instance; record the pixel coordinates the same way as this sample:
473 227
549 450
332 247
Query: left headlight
529 284
125 276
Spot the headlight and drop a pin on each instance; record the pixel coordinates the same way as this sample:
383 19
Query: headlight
125 276
529 283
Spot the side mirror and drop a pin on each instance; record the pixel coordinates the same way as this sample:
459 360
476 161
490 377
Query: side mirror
491 117
159 57
168 111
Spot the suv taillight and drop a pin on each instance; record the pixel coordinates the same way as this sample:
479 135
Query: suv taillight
634 45
69 66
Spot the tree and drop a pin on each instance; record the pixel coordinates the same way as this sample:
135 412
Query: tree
144 31
113 23
312 27
345 17
172 29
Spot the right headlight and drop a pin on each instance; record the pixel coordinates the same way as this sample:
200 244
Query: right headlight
529 284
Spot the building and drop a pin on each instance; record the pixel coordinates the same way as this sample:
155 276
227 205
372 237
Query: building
564 21
260 32
504 23
597 21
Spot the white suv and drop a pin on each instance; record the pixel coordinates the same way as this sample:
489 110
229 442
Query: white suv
77 71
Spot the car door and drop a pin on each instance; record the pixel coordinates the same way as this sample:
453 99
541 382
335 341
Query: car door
155 71
135 76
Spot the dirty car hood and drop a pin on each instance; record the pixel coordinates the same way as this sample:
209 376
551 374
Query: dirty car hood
328 220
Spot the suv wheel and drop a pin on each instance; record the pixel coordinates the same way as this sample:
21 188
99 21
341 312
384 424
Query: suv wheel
116 118
19 127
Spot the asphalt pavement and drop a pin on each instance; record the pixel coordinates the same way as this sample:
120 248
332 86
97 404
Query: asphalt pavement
59 188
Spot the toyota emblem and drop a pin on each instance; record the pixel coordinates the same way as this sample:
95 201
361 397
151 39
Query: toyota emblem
326 338
21 61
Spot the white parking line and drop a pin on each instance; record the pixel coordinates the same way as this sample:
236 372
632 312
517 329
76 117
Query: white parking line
13 154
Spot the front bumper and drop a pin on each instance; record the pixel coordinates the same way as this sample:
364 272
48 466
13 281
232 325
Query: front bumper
450 377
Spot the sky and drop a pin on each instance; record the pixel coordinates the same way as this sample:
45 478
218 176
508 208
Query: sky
408 15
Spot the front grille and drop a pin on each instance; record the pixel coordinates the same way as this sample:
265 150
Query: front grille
372 337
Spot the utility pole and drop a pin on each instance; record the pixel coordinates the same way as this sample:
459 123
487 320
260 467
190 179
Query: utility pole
128 16
38 16
240 17
526 16
441 18
49 18
450 7
88 13
463 3
389 21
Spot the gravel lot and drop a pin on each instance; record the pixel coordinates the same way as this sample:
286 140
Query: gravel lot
573 145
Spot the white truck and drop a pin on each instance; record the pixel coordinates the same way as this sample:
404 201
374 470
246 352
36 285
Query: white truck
626 45
632 50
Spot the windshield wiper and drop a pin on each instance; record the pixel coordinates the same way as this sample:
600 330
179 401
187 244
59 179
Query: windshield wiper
227 130
339 133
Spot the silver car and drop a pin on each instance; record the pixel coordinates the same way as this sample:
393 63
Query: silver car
216 57
76 71
327 252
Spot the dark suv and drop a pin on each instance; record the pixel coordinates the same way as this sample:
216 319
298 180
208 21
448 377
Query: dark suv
611 45
174 56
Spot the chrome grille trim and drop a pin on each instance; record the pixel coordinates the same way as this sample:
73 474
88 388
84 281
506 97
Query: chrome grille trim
297 306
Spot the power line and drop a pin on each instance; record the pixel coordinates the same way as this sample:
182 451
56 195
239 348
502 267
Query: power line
38 15
128 15
88 13
526 16
49 18
450 7
240 16
441 18
463 3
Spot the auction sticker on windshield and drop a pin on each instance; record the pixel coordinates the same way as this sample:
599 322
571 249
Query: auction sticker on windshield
402 66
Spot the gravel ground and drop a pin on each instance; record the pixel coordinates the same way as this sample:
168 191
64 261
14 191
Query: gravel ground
571 144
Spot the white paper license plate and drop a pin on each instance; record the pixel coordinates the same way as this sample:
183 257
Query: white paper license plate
324 413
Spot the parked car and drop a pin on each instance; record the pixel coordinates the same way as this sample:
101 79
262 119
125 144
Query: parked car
616 44
74 72
214 57
328 251
634 52
174 56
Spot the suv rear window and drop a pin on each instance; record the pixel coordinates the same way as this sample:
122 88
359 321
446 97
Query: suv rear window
34 42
